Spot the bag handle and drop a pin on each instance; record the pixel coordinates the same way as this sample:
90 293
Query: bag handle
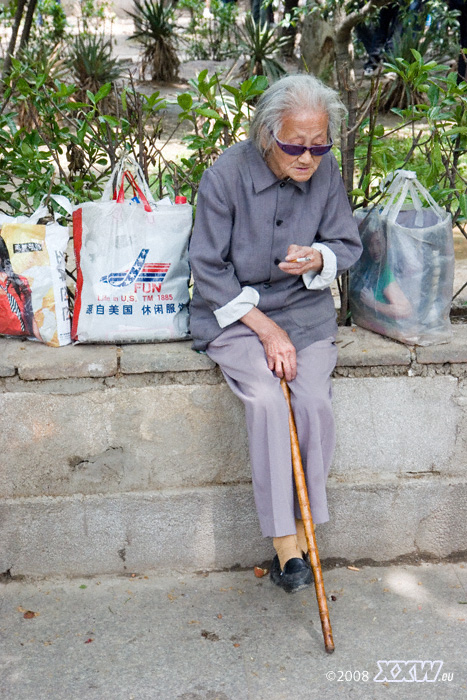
126 163
121 193
404 183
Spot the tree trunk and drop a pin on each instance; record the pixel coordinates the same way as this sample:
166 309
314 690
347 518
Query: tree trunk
290 32
346 81
349 94
14 35
27 24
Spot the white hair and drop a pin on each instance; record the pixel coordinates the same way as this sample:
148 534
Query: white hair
289 95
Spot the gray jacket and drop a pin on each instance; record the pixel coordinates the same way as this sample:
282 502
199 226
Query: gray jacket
245 220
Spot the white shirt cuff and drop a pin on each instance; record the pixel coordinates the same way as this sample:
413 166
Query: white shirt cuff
238 307
326 277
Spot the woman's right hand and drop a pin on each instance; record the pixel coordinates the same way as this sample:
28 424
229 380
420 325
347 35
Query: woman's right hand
280 353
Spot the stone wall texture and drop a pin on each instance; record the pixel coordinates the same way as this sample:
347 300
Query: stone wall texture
132 458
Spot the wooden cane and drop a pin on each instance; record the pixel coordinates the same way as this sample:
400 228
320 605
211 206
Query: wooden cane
305 510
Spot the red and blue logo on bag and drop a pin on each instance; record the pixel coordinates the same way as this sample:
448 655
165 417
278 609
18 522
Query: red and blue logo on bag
141 272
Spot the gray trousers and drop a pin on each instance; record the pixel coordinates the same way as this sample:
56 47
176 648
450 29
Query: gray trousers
241 357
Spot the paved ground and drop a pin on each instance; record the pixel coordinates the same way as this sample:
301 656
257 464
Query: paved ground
232 636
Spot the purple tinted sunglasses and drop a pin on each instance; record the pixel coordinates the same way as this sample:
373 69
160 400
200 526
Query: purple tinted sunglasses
295 150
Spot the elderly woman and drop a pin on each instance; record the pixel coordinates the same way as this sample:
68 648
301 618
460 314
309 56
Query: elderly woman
273 229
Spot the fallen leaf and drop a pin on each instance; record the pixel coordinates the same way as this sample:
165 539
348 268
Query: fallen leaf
260 572
220 616
236 644
83 586
88 641
29 614
353 568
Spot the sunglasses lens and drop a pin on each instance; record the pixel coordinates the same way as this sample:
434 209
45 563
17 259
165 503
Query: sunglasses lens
292 150
320 150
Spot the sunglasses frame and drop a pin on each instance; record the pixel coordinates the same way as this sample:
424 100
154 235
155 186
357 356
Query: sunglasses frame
300 150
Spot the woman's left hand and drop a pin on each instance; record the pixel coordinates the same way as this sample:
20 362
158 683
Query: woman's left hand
295 264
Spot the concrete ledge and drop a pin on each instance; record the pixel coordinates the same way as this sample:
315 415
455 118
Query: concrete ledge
453 352
358 348
129 458
8 364
167 357
36 361
119 439
361 348
216 527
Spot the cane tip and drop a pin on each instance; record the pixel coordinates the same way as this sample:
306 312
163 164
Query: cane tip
329 650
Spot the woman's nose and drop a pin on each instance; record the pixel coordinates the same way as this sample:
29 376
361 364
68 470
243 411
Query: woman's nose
306 157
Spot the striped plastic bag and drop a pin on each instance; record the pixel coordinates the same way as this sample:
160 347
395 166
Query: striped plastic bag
132 264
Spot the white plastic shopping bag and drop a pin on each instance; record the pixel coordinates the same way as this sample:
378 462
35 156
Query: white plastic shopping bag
33 291
402 285
132 264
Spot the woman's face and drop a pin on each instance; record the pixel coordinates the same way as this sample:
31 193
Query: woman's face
305 129
376 247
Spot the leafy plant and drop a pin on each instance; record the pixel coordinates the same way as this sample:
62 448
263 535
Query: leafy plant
155 31
52 24
415 37
44 61
91 140
92 63
211 35
220 115
260 45
94 15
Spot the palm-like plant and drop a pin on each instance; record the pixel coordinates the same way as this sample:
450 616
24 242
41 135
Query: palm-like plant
155 31
92 63
261 44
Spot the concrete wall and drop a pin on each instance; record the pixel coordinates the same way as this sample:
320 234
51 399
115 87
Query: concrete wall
132 458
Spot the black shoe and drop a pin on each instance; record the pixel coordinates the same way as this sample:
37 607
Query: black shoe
295 576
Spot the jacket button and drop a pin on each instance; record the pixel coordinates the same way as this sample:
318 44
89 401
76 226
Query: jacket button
282 184
279 222
266 285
